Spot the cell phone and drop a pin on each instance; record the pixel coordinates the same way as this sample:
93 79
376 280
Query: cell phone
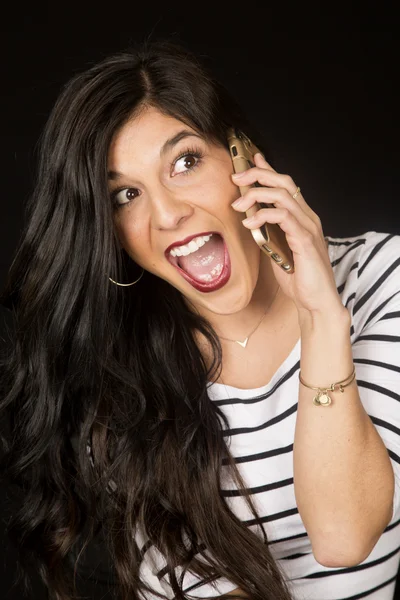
270 238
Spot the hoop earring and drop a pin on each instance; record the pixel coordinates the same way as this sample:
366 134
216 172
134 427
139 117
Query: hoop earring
127 284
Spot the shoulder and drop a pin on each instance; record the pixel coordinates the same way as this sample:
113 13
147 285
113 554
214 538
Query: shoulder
367 273
358 251
360 261
379 252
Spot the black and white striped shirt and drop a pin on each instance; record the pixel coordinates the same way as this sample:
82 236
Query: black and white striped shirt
261 434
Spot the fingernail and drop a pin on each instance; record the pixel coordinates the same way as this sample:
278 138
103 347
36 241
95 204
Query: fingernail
249 220
237 175
237 202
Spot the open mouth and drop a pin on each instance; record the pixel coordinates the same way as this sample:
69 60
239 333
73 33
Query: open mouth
203 261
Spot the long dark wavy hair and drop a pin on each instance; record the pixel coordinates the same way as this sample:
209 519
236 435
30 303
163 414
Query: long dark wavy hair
117 369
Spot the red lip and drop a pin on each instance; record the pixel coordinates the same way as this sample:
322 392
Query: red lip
187 240
202 286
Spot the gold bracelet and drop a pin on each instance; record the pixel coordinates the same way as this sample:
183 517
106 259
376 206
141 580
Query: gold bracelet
323 398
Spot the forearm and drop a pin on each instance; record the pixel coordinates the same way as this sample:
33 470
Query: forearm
343 478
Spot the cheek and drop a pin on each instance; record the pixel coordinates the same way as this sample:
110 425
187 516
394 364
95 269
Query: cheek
217 195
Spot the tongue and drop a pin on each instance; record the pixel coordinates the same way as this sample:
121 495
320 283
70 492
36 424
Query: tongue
207 262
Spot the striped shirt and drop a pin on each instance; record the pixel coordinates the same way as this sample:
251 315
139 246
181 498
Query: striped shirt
261 434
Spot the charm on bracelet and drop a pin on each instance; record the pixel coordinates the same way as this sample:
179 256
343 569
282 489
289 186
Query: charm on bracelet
322 398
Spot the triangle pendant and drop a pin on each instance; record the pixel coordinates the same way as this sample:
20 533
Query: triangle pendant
244 343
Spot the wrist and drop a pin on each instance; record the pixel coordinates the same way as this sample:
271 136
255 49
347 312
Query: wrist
326 351
335 319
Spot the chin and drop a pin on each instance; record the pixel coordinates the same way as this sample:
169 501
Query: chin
230 298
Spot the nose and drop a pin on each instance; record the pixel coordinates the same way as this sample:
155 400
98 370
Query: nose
168 211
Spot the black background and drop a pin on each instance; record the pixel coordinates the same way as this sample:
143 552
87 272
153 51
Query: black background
326 103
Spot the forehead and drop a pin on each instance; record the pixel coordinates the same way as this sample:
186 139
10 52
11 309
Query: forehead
142 137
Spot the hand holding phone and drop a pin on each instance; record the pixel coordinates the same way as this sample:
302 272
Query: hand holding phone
271 239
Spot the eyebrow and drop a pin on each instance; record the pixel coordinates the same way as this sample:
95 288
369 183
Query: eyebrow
168 144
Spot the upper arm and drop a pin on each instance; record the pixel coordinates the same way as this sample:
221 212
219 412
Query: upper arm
376 347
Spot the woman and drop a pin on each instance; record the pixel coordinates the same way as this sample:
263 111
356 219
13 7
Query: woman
205 463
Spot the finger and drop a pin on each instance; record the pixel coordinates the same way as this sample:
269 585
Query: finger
280 198
260 161
265 177
298 237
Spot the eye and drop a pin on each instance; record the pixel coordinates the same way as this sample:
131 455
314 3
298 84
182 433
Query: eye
124 196
187 161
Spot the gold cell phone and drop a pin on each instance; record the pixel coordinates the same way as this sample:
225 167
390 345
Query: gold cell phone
271 239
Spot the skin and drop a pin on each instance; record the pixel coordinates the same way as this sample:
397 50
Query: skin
170 202
342 517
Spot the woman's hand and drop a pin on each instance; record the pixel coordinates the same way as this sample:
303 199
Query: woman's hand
312 286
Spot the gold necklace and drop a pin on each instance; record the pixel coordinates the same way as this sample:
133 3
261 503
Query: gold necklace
244 343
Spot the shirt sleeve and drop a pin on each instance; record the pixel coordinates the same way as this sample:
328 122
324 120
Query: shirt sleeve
375 310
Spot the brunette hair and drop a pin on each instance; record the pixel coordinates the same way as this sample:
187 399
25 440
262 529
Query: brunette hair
117 370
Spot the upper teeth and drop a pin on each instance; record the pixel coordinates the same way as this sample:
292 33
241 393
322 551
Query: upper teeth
192 246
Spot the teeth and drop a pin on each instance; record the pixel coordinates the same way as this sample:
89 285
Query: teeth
192 246
214 273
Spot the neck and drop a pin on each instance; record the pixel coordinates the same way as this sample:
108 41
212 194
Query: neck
265 298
